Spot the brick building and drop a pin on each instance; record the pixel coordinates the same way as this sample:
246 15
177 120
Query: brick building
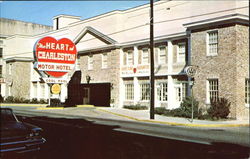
113 51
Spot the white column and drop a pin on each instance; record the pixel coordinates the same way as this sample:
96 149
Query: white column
135 56
136 82
63 92
121 83
170 57
171 90
39 91
136 90
47 91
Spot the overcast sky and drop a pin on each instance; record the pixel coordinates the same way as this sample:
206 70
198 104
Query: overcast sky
42 12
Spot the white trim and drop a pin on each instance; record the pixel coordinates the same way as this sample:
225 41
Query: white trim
159 54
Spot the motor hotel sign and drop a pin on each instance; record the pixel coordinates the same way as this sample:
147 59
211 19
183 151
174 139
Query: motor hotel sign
55 57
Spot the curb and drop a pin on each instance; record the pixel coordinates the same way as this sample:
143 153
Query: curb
50 108
23 105
85 106
176 124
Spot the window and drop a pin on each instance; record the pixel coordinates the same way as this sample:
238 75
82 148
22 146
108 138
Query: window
162 55
104 60
144 91
90 62
162 92
247 91
212 43
129 91
1 52
145 56
130 57
213 89
181 52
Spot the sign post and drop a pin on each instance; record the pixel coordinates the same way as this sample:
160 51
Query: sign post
55 59
191 72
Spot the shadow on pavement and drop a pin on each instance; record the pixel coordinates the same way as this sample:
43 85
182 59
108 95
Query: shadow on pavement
81 139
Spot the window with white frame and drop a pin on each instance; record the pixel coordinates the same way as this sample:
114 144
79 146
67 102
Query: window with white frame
212 43
213 89
181 52
130 57
104 60
162 92
129 91
247 91
90 62
144 91
145 56
162 55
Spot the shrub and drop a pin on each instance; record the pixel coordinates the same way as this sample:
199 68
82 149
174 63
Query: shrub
43 101
54 102
34 101
219 108
19 100
1 99
185 109
9 99
160 110
136 107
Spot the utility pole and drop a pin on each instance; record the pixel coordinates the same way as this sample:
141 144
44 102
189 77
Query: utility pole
152 77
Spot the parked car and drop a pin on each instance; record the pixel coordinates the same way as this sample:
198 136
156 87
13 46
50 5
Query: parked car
16 136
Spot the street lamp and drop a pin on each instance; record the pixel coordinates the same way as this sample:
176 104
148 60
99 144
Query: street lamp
88 78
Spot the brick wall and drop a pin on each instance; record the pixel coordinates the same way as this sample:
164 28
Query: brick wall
227 66
107 75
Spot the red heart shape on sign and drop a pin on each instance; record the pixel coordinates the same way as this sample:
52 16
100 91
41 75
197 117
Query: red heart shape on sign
55 57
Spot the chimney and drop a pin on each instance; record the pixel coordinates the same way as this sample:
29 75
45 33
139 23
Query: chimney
62 20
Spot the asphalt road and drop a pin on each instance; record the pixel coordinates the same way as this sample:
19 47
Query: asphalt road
77 138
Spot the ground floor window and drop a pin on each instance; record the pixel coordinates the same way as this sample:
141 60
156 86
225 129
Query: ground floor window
213 89
144 91
247 91
162 92
129 91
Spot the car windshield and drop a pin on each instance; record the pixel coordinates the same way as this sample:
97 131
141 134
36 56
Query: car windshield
7 115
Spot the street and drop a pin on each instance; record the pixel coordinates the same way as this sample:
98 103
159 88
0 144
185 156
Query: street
91 138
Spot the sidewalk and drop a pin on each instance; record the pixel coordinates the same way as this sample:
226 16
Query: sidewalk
144 116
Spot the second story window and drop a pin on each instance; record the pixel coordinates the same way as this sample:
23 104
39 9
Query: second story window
212 43
104 60
181 52
162 55
130 57
145 56
90 62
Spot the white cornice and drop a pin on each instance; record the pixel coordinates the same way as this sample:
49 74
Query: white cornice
225 19
19 59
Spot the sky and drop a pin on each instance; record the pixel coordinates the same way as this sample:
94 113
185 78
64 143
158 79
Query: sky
42 12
